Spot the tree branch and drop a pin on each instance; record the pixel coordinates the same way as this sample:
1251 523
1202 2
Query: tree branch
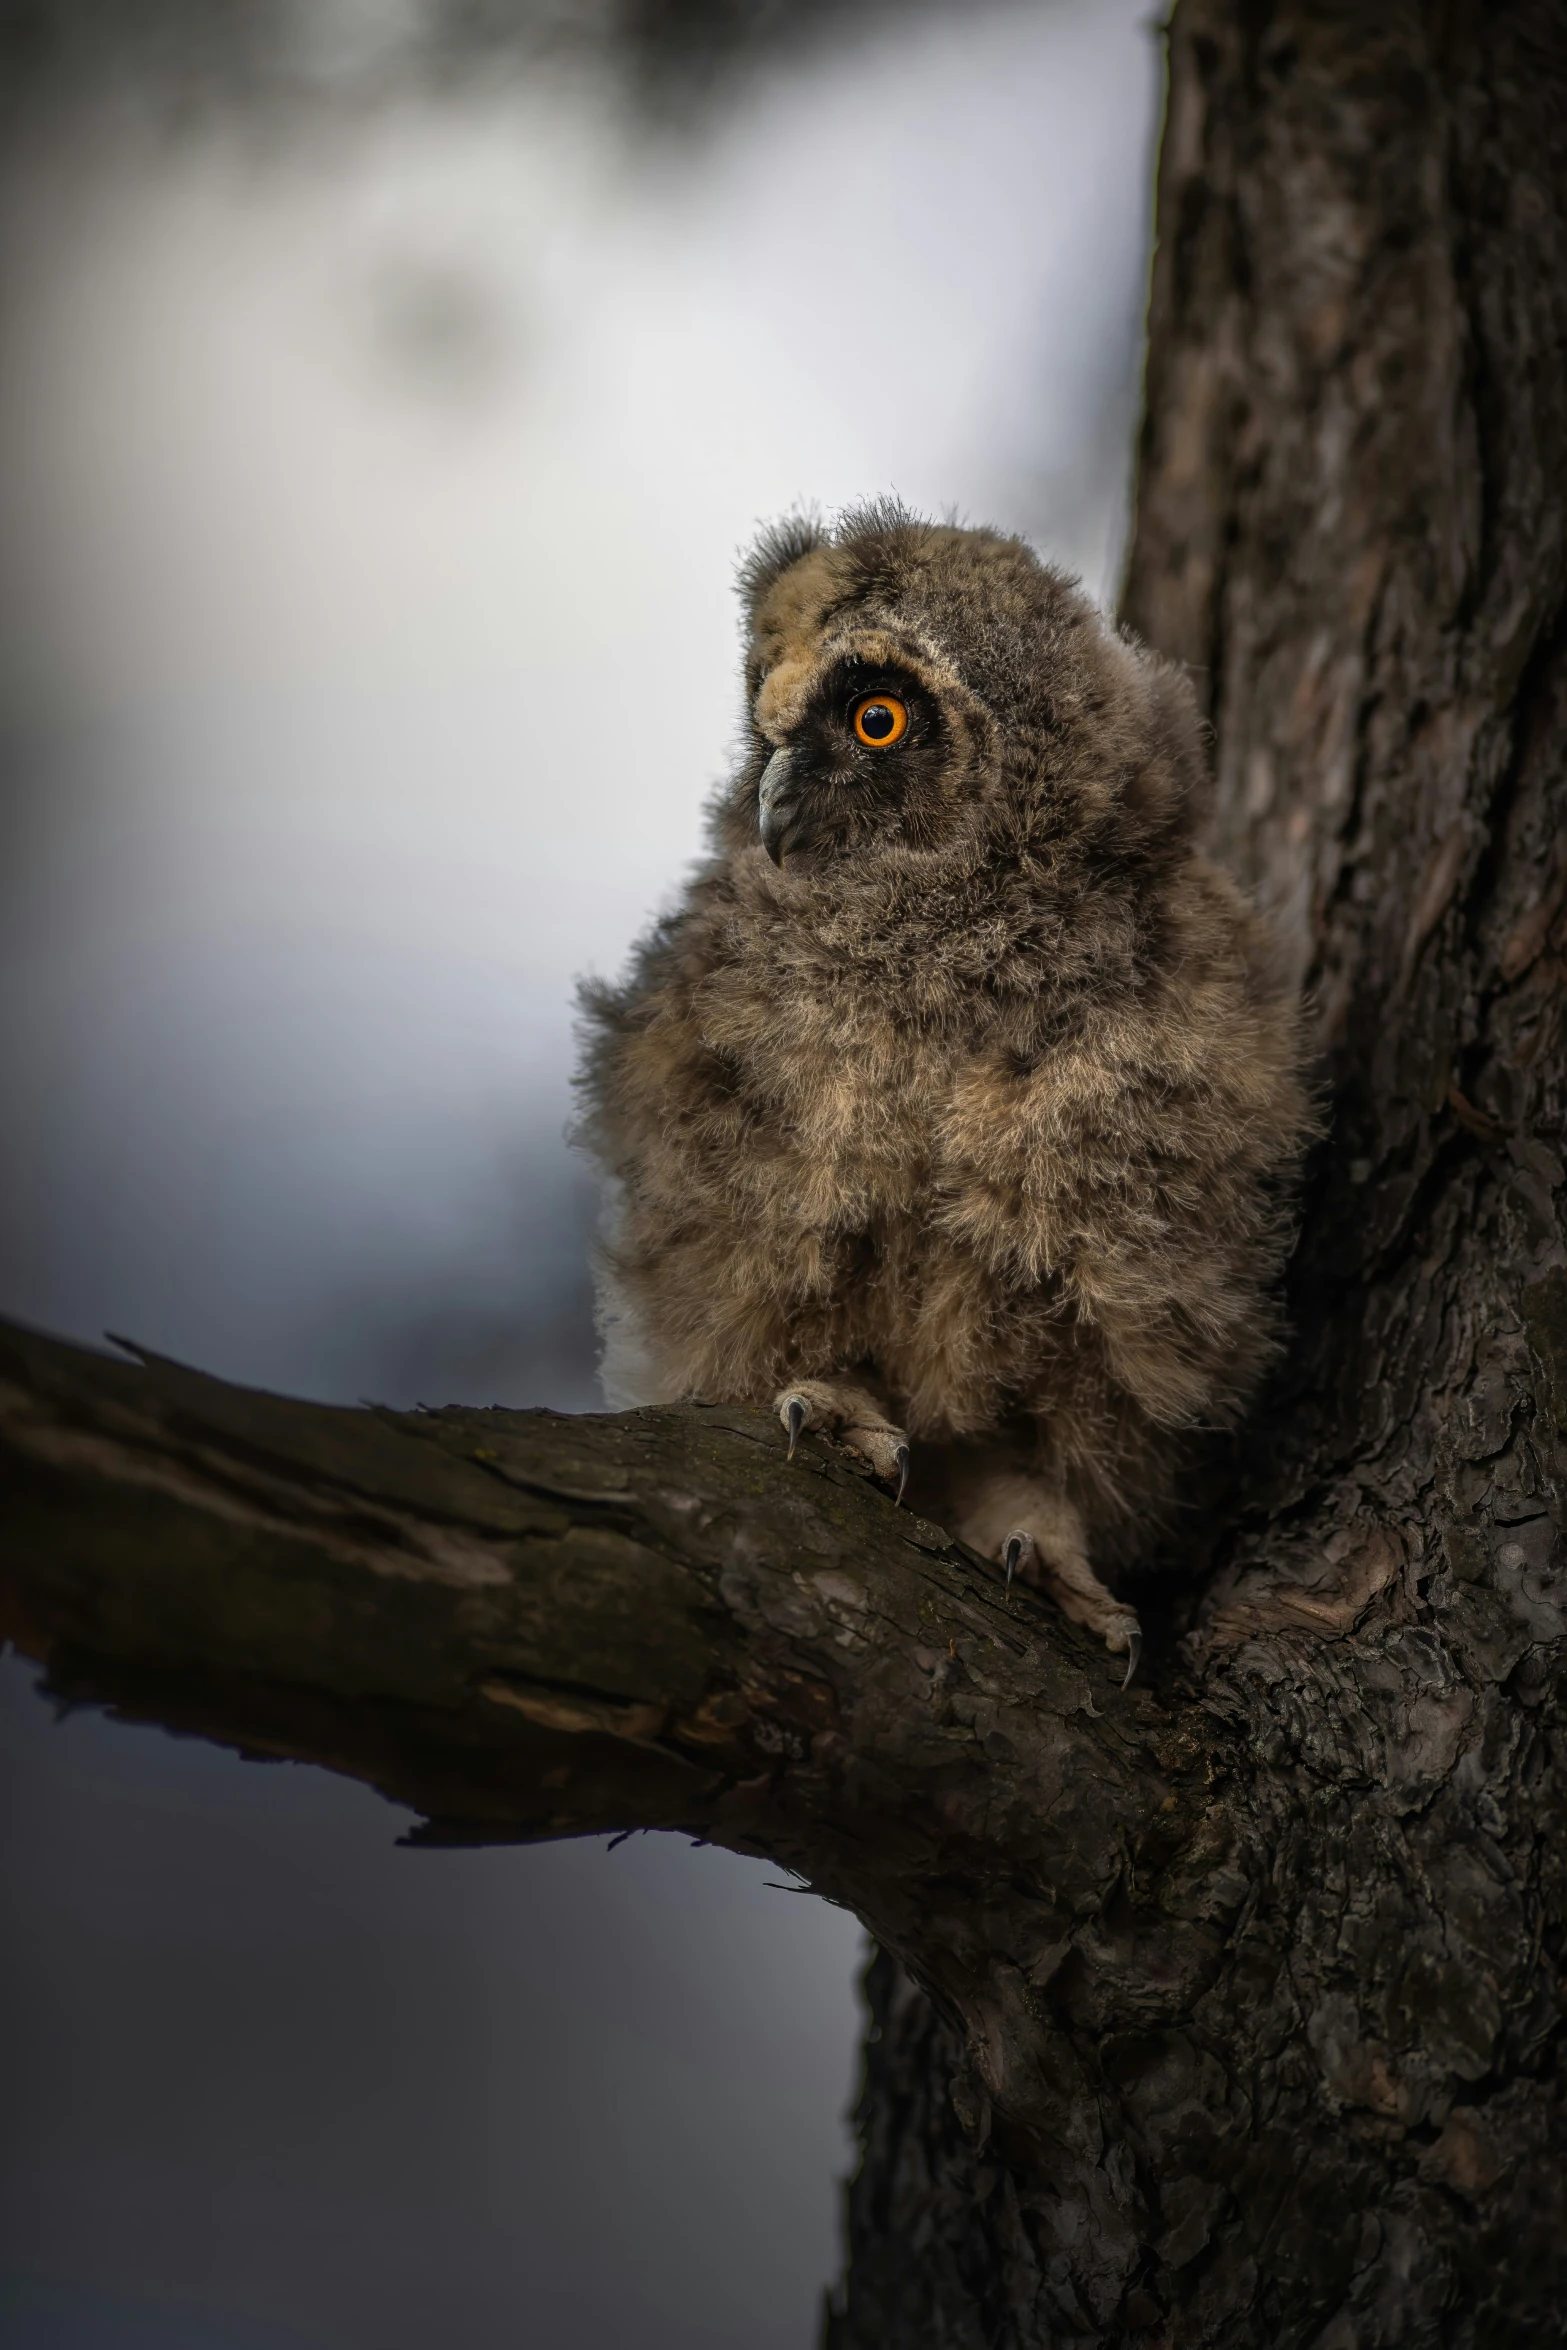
525 1625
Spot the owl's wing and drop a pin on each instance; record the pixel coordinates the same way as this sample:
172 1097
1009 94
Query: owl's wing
1137 1165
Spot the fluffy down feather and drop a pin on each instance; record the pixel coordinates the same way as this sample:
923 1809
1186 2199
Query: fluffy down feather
963 1131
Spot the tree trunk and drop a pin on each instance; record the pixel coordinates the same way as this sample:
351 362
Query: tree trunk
1350 524
1225 2010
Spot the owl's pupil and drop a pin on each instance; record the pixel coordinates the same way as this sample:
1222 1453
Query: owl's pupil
877 722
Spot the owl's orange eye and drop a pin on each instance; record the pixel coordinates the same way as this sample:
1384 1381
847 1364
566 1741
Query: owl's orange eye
880 721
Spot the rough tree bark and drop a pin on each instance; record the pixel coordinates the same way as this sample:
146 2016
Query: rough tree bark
1226 2010
1351 501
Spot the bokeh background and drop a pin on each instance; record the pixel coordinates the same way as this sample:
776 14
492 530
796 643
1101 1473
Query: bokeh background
388 387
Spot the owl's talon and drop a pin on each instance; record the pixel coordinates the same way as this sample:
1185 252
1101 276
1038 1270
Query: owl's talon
1016 1545
1134 1649
902 1458
794 1418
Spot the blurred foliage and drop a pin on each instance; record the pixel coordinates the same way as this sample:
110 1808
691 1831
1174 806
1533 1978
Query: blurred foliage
670 49
190 48
188 55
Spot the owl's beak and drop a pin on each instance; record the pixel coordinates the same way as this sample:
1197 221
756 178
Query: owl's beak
776 804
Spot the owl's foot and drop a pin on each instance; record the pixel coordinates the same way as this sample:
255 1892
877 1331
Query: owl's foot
854 1418
1077 1592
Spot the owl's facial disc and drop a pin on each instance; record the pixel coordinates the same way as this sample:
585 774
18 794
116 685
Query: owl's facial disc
842 778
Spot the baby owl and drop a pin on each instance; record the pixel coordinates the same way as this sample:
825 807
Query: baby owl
952 1112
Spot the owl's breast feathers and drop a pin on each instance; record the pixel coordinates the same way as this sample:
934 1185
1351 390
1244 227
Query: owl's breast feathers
946 1151
1000 1108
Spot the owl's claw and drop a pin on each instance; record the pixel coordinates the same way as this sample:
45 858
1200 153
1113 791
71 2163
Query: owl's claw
853 1417
1016 1545
1134 1649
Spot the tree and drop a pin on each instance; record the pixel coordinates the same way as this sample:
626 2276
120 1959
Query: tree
1226 2010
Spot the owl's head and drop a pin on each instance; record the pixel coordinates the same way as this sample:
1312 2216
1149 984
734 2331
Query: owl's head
916 688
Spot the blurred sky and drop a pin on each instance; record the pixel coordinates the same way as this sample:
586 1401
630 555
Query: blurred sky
371 480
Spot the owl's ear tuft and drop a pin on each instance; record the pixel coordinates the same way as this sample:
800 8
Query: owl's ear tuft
885 518
880 539
776 550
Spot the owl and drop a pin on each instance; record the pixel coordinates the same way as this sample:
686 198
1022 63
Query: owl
953 1111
